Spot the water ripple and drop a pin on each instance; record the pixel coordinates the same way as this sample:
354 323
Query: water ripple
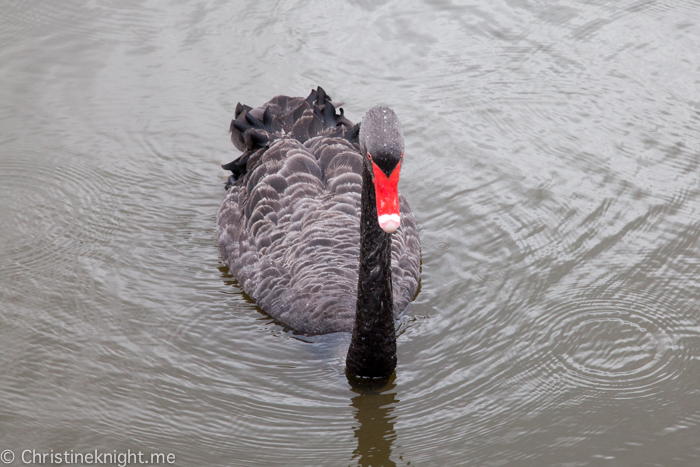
67 214
619 344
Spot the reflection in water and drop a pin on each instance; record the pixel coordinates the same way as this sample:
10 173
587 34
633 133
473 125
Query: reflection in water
375 430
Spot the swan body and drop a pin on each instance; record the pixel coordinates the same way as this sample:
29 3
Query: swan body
301 236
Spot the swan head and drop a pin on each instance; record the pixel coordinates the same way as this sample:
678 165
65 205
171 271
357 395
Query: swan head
382 145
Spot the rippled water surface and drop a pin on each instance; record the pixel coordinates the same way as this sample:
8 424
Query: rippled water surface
552 161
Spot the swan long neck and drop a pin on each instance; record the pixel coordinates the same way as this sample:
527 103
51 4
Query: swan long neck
372 351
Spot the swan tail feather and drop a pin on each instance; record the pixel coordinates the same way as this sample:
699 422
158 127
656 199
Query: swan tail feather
300 118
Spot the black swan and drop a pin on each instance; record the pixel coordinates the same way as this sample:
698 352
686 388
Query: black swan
313 227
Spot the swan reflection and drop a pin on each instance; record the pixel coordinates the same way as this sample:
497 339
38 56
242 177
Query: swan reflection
375 428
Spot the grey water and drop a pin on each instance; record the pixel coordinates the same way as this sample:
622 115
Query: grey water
552 161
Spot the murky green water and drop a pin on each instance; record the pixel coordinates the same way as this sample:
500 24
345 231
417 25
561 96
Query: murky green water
552 161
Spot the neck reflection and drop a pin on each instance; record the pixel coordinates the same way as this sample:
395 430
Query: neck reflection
375 429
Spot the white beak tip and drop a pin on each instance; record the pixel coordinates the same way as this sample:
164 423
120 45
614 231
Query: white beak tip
389 222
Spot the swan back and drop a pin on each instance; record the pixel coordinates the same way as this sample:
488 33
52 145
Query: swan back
289 226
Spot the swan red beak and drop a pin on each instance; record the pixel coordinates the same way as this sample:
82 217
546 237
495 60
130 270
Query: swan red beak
387 193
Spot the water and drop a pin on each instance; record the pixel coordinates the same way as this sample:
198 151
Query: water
552 161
